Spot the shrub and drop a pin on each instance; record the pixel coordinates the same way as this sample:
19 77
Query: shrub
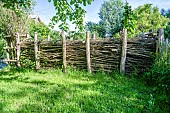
159 78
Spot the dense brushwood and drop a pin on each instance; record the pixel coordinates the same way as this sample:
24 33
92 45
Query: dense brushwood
105 54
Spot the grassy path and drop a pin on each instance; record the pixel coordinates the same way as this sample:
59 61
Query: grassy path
76 92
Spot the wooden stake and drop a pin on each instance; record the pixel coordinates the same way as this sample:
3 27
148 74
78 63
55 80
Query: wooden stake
12 50
7 51
167 50
27 36
160 42
36 50
161 36
88 51
124 50
167 45
48 37
94 36
64 51
18 50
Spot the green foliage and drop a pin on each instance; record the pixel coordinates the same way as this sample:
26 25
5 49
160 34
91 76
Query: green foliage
69 11
92 27
54 35
159 78
77 35
10 22
129 18
114 16
27 61
117 35
101 29
24 90
167 29
39 27
98 29
149 18
13 19
111 15
15 5
151 103
65 11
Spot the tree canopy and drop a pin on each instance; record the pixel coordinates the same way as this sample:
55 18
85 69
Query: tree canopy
166 13
114 15
111 15
10 22
149 18
71 10
39 27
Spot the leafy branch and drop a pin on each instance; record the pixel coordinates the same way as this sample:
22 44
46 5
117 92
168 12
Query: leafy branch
69 11
129 20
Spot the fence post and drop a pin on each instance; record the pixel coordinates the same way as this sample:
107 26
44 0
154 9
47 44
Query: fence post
48 37
160 42
12 50
18 50
167 50
124 50
88 51
64 51
7 50
36 50
27 36
94 36
167 44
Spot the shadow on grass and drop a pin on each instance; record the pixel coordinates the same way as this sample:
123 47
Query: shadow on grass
2 106
10 75
9 71
25 80
8 79
103 94
39 82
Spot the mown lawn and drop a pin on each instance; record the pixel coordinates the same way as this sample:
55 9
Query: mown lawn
49 91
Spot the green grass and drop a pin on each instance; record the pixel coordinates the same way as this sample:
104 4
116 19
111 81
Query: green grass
50 91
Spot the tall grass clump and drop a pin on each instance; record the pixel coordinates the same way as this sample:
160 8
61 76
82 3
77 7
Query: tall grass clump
159 78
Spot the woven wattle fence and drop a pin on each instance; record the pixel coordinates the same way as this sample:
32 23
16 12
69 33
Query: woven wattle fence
140 54
105 54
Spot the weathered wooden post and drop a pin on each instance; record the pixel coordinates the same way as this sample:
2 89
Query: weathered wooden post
161 36
36 50
64 51
94 36
124 50
18 49
167 51
12 50
88 51
167 45
27 36
7 50
160 43
48 37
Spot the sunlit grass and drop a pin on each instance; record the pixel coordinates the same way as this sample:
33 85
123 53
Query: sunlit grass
77 92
